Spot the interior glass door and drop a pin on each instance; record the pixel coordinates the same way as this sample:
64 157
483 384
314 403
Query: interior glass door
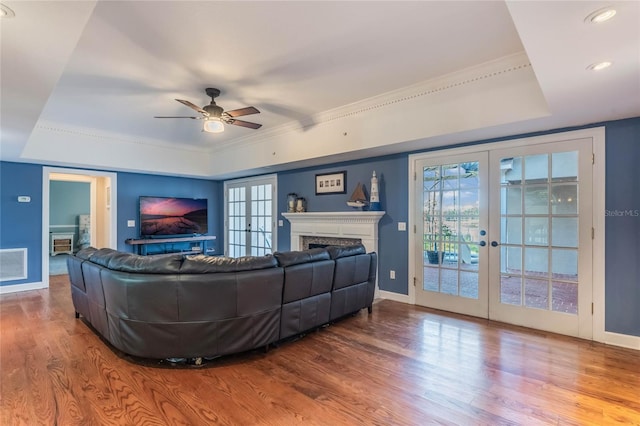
541 241
451 234
250 215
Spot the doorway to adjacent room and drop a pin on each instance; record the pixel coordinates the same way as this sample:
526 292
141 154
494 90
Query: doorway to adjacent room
96 227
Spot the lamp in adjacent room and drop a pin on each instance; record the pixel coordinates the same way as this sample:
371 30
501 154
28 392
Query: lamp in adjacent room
213 125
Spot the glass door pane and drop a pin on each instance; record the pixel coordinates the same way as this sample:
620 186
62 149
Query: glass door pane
261 219
451 194
539 223
236 235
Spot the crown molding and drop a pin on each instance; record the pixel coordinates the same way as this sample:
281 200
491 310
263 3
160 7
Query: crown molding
85 132
462 79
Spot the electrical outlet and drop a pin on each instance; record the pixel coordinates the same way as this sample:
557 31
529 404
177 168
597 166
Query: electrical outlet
281 222
402 226
131 223
392 274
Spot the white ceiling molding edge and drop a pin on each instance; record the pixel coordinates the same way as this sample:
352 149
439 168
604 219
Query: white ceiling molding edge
450 81
84 148
493 94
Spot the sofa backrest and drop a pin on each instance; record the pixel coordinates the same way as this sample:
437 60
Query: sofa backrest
352 265
201 264
129 262
306 273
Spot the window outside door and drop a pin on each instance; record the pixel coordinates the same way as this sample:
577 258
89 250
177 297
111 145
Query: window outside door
250 212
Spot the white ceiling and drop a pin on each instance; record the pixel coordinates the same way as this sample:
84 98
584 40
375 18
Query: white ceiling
81 81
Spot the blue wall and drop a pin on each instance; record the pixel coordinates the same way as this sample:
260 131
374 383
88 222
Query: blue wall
622 228
21 223
392 172
132 185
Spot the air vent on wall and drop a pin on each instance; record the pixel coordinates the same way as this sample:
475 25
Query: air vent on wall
13 264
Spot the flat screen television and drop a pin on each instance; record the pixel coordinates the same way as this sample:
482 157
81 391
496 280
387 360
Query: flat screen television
172 216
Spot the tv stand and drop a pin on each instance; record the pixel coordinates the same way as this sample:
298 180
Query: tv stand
141 244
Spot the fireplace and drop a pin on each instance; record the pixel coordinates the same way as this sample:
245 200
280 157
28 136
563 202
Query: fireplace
334 228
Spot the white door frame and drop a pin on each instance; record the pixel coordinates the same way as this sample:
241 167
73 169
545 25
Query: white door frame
110 203
597 135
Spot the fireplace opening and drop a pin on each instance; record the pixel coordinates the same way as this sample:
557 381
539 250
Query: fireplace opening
310 241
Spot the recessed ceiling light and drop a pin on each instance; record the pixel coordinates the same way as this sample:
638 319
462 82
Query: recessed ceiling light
600 15
6 12
599 66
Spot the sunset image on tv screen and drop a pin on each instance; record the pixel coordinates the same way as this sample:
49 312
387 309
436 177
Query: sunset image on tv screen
173 216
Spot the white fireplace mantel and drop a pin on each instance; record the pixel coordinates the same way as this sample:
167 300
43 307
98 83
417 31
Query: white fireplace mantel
361 225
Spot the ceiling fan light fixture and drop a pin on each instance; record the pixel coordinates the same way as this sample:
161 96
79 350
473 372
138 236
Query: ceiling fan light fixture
6 12
213 125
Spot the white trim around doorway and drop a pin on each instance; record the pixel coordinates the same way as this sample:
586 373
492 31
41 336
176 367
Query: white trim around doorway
76 175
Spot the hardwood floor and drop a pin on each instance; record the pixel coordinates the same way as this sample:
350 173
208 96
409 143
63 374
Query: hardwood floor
401 365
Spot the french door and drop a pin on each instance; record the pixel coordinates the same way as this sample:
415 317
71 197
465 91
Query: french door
541 244
452 192
505 234
250 211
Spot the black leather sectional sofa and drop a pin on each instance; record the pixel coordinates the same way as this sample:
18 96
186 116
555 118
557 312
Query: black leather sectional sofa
175 306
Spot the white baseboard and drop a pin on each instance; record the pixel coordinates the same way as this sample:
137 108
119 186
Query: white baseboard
622 340
404 298
6 289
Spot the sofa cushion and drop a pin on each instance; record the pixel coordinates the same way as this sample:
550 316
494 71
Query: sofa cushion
290 258
336 252
129 262
161 264
102 256
201 264
86 253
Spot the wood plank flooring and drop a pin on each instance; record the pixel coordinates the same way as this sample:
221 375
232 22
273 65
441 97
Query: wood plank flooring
401 365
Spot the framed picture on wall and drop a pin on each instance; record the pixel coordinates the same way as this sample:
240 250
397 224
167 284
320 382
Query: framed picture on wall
331 183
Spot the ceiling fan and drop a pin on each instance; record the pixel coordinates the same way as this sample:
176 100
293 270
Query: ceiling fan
214 116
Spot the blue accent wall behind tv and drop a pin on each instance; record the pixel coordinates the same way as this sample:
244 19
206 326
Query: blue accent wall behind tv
132 185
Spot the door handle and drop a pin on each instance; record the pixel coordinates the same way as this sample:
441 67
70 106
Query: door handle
494 244
483 243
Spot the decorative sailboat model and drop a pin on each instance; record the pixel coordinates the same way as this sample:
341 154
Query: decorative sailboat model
358 198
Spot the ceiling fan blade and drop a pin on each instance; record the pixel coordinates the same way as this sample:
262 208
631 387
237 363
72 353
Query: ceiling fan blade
182 116
244 124
192 106
242 111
